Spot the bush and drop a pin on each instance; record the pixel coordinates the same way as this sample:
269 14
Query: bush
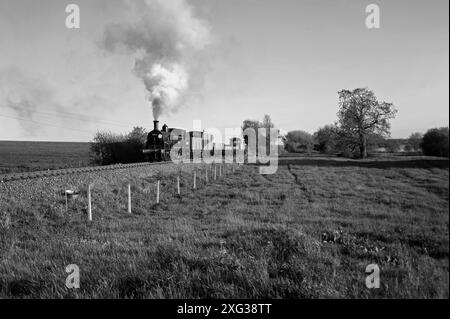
332 140
392 145
435 142
414 141
326 139
298 141
108 148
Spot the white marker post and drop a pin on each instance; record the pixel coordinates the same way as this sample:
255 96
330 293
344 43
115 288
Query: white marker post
195 180
129 199
66 199
157 192
178 185
89 204
206 175
220 170
215 172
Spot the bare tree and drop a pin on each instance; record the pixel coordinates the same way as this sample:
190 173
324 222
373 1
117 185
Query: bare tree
361 115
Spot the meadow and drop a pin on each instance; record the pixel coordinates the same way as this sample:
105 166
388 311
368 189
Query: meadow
308 231
19 156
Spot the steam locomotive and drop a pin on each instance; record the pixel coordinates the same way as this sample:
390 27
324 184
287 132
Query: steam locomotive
160 142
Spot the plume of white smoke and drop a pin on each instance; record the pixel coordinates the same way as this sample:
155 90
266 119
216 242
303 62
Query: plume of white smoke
165 37
166 86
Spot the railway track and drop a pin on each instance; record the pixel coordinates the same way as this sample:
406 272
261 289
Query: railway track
4 178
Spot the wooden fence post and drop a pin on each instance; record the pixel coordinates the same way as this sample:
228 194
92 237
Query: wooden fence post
195 180
157 192
89 204
129 199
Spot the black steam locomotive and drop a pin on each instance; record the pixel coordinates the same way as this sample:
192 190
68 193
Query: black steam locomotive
160 142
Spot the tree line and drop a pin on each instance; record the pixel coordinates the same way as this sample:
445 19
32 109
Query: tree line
363 124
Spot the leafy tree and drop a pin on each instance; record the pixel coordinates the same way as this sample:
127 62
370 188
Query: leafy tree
392 145
298 141
435 142
110 148
326 139
348 145
360 115
104 147
267 122
255 124
250 124
138 133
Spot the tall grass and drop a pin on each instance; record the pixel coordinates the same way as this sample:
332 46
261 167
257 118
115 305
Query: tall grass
306 232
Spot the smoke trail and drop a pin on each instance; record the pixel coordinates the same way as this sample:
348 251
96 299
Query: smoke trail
165 37
28 98
165 86
22 95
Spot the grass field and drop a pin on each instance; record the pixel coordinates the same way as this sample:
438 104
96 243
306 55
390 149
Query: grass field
35 156
308 231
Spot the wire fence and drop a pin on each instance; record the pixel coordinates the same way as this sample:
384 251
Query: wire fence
157 188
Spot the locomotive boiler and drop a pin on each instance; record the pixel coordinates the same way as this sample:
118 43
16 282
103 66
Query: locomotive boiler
159 142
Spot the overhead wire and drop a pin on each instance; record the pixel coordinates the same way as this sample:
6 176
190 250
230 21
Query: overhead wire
46 124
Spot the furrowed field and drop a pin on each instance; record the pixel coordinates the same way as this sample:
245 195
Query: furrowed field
308 231
34 156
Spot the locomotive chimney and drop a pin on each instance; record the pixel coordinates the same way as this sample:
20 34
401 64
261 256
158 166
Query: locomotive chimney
155 125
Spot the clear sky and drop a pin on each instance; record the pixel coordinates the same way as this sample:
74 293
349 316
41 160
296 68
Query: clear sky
286 58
